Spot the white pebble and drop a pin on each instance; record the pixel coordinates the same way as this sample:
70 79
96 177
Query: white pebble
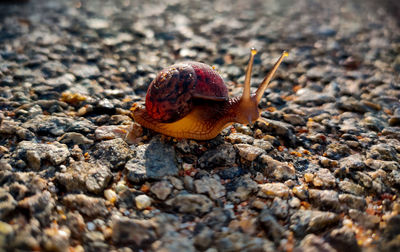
110 195
142 201
90 226
120 186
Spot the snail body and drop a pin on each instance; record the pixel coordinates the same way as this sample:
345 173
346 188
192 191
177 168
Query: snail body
190 100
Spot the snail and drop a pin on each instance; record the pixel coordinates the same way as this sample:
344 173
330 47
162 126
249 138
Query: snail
190 100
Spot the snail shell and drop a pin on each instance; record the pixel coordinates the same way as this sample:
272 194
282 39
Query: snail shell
171 94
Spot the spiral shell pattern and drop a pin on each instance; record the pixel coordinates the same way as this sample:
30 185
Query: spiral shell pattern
170 95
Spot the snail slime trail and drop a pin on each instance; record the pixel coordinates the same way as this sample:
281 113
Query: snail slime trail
190 100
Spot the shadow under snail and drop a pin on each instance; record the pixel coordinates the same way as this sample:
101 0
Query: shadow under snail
190 100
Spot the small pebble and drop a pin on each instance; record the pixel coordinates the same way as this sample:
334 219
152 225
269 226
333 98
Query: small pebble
274 190
110 195
143 201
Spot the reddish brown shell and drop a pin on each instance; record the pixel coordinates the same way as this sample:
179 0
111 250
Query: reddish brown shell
171 94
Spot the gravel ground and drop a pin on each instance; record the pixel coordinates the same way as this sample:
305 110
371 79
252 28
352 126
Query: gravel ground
323 175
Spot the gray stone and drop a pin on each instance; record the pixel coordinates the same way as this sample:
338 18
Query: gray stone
324 199
191 203
53 68
363 179
56 239
186 145
241 188
309 221
143 201
350 126
120 38
223 155
248 151
391 132
83 176
7 203
176 183
9 127
75 223
313 243
188 183
6 235
40 206
237 241
126 198
25 239
35 153
337 150
368 221
301 191
279 128
265 145
324 178
271 226
218 218
115 153
204 237
18 191
391 241
351 104
350 187
383 152
343 239
239 138
58 125
167 222
394 178
210 186
231 172
97 23
392 228
130 133
86 205
279 170
294 119
61 82
127 231
373 123
161 189
352 162
272 190
381 164
84 71
33 159
155 160
29 181
173 241
316 128
280 208
309 97
94 241
352 201
73 138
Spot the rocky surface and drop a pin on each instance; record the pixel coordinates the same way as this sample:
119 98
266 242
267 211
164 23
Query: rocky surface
77 174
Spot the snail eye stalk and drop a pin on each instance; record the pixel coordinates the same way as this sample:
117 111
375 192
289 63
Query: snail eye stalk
246 90
264 84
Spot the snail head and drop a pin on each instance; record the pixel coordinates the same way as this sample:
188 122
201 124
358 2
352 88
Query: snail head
248 111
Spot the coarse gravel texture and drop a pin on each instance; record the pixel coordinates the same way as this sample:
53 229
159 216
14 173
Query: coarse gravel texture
77 174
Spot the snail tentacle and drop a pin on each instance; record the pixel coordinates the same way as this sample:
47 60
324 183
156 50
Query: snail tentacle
264 84
246 89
